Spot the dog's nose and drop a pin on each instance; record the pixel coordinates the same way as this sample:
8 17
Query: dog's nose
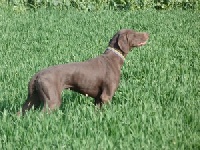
146 35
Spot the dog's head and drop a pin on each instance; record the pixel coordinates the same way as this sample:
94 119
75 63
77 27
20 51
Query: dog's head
126 39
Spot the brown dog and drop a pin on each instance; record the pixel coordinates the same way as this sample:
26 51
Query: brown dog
98 77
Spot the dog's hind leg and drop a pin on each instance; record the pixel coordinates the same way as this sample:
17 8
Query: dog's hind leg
52 100
49 94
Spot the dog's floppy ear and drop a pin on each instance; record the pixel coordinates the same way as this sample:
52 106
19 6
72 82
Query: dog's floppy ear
123 43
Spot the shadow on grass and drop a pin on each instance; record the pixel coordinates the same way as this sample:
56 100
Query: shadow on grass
9 108
70 100
73 99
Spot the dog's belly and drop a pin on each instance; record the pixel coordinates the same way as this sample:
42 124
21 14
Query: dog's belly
87 92
88 87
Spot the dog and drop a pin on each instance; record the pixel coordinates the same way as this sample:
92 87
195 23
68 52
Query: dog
98 77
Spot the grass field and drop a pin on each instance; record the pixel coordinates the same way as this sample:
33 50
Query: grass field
157 105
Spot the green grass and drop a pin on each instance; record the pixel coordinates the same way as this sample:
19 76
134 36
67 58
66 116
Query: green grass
155 107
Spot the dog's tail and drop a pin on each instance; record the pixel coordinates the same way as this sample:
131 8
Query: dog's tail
32 86
32 99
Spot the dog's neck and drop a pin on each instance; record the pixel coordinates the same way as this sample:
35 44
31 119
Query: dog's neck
117 52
